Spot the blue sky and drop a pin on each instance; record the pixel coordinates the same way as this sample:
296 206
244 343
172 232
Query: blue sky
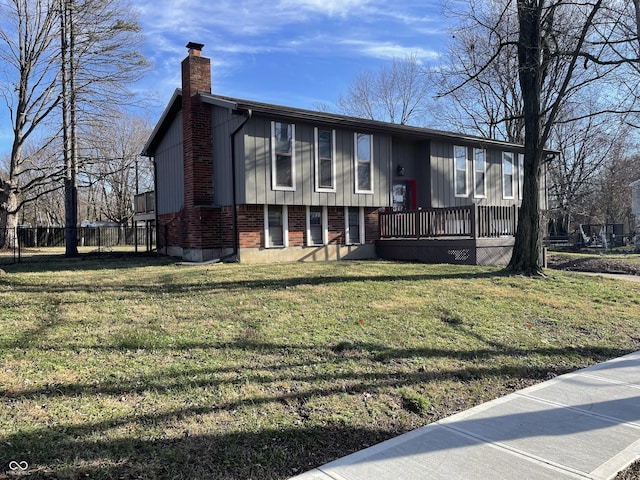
297 53
290 52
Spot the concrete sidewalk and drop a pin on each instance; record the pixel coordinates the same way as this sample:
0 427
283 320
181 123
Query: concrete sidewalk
585 424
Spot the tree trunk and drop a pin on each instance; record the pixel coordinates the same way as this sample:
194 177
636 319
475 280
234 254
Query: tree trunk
68 131
527 255
527 250
8 216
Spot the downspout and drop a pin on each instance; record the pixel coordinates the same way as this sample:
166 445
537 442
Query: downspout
155 206
248 114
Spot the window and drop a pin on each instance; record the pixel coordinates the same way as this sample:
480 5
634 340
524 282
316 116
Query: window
520 174
507 175
283 165
354 225
317 226
276 226
325 164
479 172
460 175
364 157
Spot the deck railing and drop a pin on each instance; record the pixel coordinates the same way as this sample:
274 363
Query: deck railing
472 221
145 202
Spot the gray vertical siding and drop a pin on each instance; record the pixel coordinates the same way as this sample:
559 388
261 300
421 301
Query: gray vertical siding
442 178
423 174
442 194
224 123
170 169
257 188
429 163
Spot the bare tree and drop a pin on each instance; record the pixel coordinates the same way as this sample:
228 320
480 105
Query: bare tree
562 48
585 147
398 93
611 201
547 49
99 58
476 100
41 182
103 56
114 170
28 29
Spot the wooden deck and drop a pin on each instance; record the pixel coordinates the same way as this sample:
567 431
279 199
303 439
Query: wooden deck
469 235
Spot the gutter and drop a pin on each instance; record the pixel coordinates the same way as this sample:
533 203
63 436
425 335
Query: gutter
248 113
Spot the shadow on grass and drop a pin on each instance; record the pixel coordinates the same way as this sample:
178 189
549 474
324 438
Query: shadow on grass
42 263
100 449
267 454
172 380
167 284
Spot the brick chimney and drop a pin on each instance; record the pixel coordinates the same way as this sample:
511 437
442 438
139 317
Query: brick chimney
197 124
199 219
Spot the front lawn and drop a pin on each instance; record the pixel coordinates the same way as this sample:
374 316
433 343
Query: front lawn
145 369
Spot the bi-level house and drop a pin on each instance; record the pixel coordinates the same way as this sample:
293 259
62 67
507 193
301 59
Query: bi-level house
259 182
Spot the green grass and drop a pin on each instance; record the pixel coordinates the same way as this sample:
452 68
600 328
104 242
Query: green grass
138 368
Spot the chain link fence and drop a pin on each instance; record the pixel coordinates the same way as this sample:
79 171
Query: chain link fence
30 242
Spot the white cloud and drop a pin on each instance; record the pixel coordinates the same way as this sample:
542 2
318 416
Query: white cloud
328 7
253 35
388 50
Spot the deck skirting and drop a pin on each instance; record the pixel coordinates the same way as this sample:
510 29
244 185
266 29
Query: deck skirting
462 251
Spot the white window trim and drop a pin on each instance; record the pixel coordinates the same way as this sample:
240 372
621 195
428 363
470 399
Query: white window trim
520 174
475 172
466 172
325 227
513 175
274 186
285 227
317 161
360 225
355 159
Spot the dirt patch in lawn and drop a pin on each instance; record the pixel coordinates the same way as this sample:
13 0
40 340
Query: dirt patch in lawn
595 264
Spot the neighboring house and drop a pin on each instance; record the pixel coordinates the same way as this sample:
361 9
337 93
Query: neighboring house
259 182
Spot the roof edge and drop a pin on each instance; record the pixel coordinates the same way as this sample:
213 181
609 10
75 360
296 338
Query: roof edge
294 113
355 122
169 111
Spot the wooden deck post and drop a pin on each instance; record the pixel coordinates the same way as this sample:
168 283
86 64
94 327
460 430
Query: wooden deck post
473 220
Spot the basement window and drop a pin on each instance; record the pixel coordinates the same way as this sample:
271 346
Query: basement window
317 226
276 226
354 225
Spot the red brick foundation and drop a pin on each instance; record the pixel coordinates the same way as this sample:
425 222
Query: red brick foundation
211 228
250 226
297 225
